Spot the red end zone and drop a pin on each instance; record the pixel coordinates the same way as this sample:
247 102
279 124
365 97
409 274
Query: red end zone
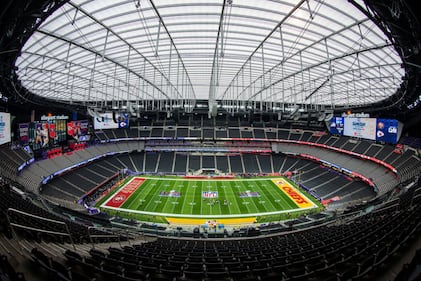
120 197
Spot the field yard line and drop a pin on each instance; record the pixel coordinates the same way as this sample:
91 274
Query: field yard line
223 190
219 189
287 203
285 198
166 198
153 189
244 199
150 189
208 216
232 196
252 199
262 196
137 194
185 195
196 198
175 187
213 199
268 193
201 201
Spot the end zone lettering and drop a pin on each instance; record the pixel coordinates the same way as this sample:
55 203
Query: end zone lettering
124 193
299 199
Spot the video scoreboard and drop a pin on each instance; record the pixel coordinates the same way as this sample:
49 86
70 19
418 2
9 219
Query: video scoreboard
378 129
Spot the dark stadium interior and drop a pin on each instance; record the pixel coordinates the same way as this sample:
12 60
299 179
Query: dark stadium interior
244 108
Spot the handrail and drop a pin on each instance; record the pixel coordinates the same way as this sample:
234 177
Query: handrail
90 236
13 225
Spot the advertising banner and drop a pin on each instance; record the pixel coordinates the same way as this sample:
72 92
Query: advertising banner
77 129
41 134
52 131
61 130
4 127
24 133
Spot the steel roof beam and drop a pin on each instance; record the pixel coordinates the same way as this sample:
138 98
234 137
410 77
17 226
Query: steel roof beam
107 58
173 44
122 40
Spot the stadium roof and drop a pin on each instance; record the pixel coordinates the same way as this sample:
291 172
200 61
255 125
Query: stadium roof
314 52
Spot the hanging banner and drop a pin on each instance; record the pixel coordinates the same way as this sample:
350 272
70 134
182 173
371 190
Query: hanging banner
61 131
41 134
77 129
52 130
24 133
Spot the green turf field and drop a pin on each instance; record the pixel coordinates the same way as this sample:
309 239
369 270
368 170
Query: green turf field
186 198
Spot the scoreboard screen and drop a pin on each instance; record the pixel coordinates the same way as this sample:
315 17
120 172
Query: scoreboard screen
364 128
378 129
111 121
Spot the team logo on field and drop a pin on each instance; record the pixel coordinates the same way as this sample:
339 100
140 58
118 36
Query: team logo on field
209 194
119 198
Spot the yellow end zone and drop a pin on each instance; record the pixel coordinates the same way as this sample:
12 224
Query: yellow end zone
297 197
234 221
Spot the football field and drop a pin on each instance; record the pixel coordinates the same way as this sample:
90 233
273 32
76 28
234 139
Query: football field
180 200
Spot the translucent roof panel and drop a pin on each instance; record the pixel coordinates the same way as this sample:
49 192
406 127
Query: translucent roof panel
289 51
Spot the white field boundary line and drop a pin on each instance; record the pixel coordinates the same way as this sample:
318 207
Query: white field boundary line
208 216
103 205
115 193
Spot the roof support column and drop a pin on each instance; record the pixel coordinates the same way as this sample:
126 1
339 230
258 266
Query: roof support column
157 39
91 80
263 79
128 75
302 78
169 69
331 71
105 45
282 67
